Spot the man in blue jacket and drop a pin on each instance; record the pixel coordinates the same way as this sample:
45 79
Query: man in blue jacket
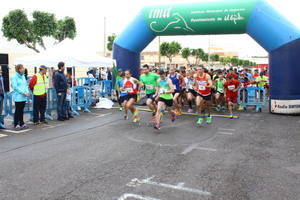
2 93
61 85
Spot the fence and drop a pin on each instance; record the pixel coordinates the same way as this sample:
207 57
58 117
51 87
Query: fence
252 96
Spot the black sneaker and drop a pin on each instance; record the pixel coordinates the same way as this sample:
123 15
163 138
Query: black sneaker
44 122
71 116
66 118
60 119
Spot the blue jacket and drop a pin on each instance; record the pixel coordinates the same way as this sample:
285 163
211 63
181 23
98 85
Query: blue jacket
60 82
20 87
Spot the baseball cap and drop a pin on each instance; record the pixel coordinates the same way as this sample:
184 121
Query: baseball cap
43 67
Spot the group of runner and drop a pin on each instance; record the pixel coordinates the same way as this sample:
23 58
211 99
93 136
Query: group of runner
170 90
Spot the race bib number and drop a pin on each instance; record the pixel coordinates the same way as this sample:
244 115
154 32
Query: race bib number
231 87
201 87
129 90
220 90
149 87
162 90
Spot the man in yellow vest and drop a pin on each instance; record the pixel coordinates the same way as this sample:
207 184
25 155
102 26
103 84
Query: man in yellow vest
39 85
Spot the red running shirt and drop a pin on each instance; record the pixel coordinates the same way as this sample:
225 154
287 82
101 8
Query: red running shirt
129 86
230 86
202 84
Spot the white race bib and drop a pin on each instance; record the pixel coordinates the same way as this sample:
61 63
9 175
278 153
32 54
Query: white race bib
129 90
231 87
149 87
162 90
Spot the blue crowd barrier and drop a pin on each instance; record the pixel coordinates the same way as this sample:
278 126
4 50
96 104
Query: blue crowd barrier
87 82
106 88
81 97
51 103
252 96
9 105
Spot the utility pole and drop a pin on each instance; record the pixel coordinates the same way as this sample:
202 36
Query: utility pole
209 42
159 57
104 38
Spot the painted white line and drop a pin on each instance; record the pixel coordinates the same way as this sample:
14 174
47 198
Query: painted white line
226 129
103 115
136 182
225 133
140 197
189 149
21 131
206 149
2 135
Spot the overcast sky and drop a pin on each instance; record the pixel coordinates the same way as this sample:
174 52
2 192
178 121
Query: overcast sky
89 15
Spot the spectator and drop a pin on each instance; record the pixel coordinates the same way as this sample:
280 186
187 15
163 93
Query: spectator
109 74
39 84
2 92
103 74
60 84
20 96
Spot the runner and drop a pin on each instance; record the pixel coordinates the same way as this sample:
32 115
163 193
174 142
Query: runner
119 78
130 86
191 93
219 95
165 91
177 81
122 94
202 86
231 93
149 80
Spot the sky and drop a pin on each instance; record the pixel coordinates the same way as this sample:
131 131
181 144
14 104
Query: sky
89 16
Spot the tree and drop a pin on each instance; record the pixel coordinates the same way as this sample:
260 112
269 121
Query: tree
198 54
110 40
186 53
215 57
234 61
17 26
205 57
66 28
169 49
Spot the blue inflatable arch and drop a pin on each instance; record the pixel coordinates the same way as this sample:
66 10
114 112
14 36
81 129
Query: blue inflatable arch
255 17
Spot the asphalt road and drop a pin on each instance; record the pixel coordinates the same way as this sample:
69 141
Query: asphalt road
101 156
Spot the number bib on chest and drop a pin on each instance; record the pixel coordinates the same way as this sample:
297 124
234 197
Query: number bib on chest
129 90
231 87
149 87
162 90
202 85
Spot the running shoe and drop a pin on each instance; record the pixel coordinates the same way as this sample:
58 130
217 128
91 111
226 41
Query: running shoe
18 128
136 119
173 116
157 126
209 120
190 110
178 112
125 117
24 126
199 121
120 108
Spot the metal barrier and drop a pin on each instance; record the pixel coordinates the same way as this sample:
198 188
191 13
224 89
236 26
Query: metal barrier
252 96
9 105
106 88
81 97
87 82
51 103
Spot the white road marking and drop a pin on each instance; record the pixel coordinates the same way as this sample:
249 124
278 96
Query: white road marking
226 129
103 115
136 182
196 146
225 133
206 149
190 149
140 197
21 131
2 135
